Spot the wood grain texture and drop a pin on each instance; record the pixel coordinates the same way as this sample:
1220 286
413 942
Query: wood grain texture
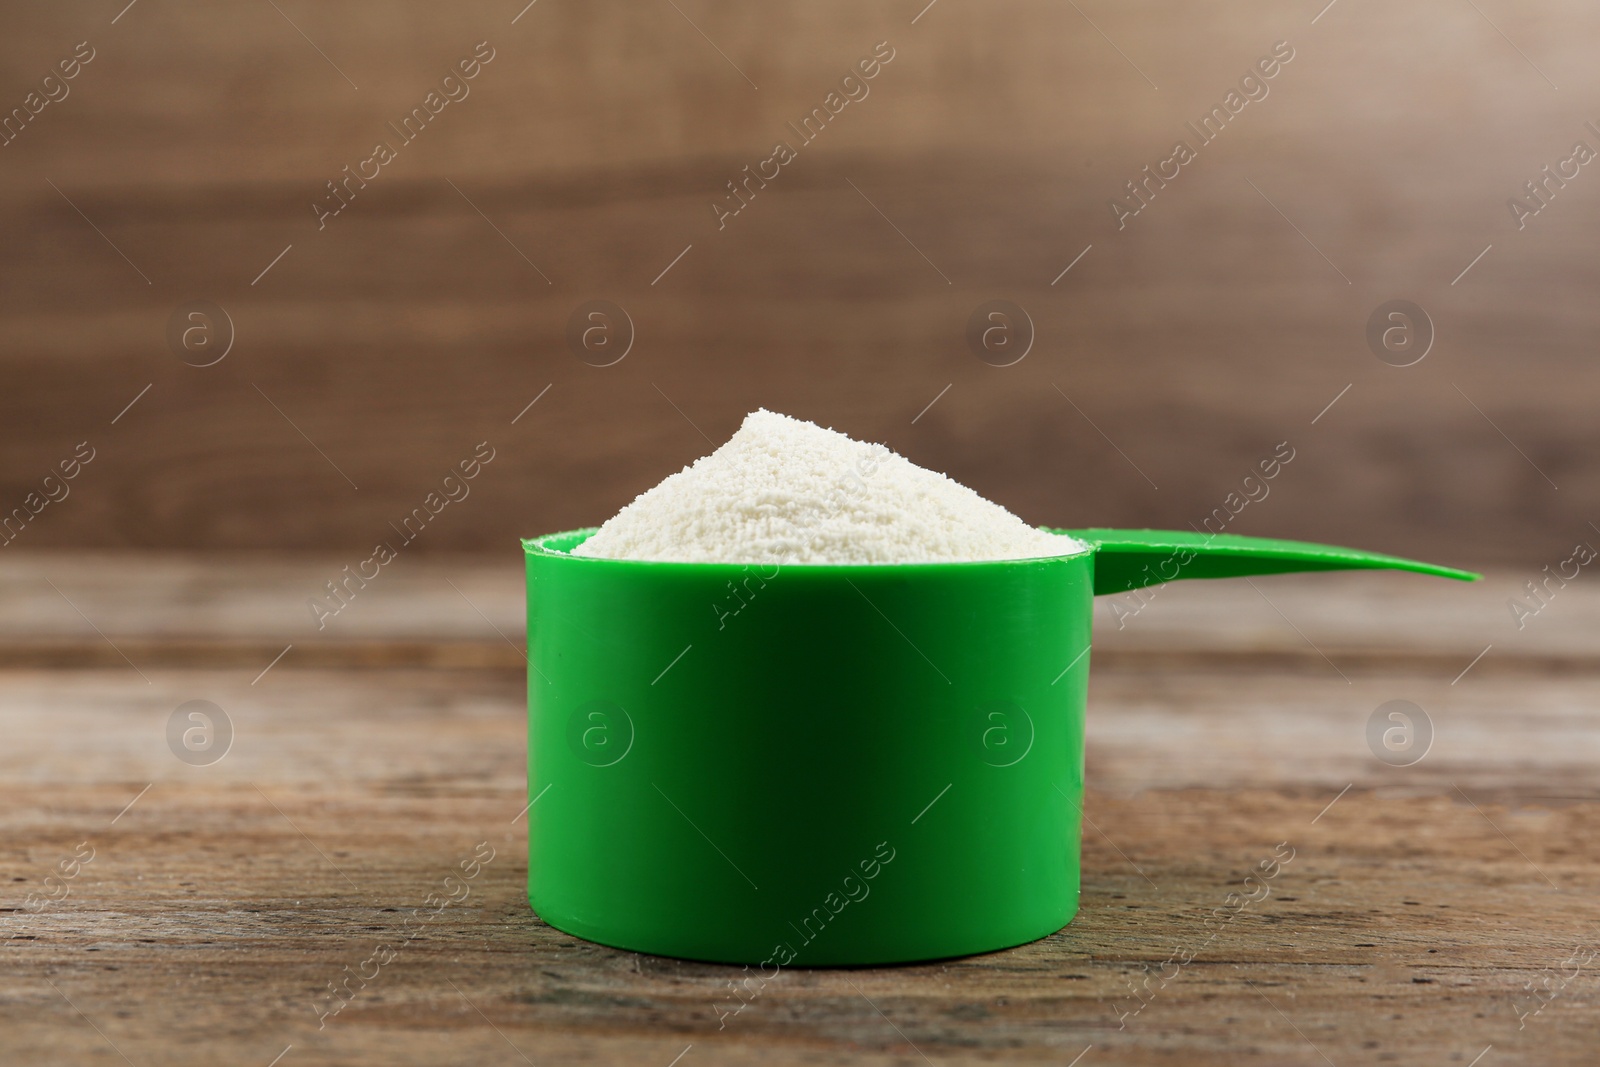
1420 906
193 606
1223 319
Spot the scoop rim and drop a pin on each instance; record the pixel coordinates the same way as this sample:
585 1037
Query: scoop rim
541 546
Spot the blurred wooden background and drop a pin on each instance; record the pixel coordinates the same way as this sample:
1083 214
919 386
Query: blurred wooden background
1220 322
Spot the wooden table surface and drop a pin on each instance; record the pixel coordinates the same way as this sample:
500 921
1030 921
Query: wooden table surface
1441 913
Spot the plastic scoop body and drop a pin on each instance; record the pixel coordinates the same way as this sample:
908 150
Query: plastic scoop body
807 765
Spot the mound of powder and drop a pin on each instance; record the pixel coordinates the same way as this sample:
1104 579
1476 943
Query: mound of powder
787 491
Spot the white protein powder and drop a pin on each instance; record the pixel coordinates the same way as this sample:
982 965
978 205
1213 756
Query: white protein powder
787 491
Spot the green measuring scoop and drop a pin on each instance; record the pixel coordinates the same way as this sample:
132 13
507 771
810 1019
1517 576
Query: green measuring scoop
803 765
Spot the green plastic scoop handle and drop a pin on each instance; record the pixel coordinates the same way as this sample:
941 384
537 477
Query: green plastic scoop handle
1131 559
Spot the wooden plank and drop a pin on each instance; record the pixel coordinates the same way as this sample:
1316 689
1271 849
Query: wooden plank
217 908
469 610
395 417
